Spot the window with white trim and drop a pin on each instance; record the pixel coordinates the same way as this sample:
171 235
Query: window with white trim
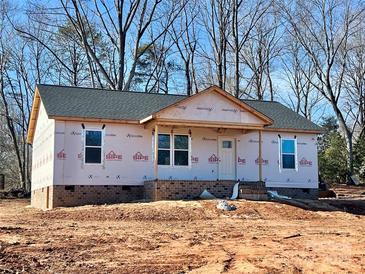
93 146
288 154
181 150
164 149
173 150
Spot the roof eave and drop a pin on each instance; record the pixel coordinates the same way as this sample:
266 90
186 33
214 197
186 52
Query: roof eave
294 130
88 119
147 119
33 116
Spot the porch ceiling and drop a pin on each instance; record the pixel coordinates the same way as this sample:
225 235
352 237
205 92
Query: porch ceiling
202 124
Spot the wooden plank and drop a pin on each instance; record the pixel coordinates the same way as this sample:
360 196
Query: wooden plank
260 156
155 163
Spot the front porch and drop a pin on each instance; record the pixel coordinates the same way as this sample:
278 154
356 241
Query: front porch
200 138
216 153
209 141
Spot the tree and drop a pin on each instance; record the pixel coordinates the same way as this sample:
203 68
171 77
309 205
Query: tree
332 153
216 21
259 54
153 69
359 157
354 81
145 13
323 28
184 35
299 71
245 17
15 97
70 50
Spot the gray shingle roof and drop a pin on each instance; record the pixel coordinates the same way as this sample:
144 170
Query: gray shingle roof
282 116
102 104
114 105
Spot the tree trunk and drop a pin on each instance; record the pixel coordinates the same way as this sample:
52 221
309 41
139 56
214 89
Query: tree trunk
188 78
348 138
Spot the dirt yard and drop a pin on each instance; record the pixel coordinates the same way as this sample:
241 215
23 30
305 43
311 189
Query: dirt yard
180 237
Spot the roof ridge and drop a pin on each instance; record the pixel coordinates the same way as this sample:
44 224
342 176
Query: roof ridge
141 92
258 100
113 90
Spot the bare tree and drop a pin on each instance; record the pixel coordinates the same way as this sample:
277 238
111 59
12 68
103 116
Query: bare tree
323 29
216 21
184 35
299 74
245 17
259 54
15 98
145 14
354 81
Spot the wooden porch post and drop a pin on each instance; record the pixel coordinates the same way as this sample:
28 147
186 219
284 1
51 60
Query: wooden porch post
155 164
260 156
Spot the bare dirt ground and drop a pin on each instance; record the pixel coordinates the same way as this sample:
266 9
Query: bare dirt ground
180 237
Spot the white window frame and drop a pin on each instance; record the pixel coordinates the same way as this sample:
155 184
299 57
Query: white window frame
158 149
172 150
281 153
179 149
101 146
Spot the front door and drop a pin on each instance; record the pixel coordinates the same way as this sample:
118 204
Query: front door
227 156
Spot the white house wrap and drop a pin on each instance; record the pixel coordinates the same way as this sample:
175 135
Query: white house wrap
96 146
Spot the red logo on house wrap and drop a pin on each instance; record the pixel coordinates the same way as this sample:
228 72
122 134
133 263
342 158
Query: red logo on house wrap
241 161
213 159
61 155
139 157
194 160
263 162
112 156
305 162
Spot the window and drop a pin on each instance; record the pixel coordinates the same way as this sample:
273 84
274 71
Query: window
164 149
181 150
288 154
227 144
93 146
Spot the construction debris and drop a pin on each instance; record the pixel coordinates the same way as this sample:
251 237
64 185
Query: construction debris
275 195
14 193
206 195
223 205
235 191
292 236
356 180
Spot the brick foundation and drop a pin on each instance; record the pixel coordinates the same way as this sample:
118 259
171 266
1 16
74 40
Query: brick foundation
185 189
77 195
297 193
253 191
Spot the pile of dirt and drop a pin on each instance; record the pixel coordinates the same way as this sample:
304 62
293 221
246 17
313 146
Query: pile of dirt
265 211
157 211
177 211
